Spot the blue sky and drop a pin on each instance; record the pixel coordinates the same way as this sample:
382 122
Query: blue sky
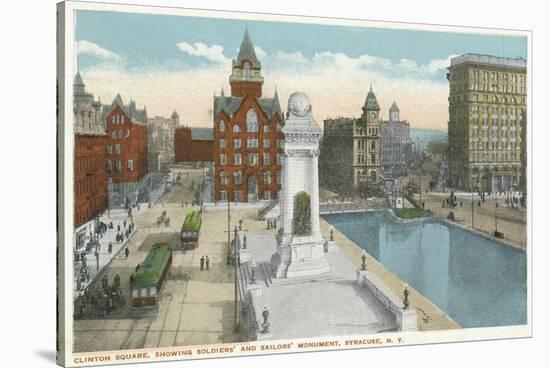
138 44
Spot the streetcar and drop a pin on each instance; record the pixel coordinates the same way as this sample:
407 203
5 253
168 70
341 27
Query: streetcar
146 282
191 228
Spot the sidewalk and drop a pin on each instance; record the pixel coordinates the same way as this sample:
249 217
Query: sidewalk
96 265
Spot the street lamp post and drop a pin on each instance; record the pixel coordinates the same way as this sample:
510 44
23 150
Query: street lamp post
472 208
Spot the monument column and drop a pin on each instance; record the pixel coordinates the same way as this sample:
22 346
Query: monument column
300 250
315 226
287 198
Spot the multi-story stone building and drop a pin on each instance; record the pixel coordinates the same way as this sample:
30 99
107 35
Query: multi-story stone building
366 143
248 136
90 177
350 150
395 144
126 161
194 144
487 103
336 155
160 141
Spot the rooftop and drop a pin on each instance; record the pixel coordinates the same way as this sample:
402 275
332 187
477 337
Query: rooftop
489 60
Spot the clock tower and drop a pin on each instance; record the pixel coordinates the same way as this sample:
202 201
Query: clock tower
367 142
246 76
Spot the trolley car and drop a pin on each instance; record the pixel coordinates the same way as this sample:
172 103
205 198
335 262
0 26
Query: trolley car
149 277
190 229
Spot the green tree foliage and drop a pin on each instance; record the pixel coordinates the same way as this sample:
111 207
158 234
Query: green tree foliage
437 147
301 223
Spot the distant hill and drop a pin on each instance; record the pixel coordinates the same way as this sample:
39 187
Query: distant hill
427 135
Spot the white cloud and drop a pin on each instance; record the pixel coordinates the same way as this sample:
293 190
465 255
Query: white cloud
260 53
213 53
336 83
90 48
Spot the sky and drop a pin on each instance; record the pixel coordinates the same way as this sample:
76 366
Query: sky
178 63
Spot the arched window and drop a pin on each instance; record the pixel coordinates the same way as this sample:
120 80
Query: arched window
266 128
246 66
222 126
251 121
236 128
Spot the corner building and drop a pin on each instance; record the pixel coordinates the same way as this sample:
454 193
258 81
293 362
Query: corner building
248 137
90 176
487 104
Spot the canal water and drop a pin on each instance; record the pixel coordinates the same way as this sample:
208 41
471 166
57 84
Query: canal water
476 281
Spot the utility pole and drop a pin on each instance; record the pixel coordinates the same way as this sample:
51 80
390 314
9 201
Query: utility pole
473 209
496 206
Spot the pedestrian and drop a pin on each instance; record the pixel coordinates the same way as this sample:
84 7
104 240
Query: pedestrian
202 263
207 261
110 248
127 252
118 227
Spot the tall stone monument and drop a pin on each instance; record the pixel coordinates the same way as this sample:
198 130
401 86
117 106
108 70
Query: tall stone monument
300 245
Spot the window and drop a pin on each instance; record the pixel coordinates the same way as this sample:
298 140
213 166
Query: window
152 291
120 133
279 177
222 126
279 129
127 133
267 177
223 195
238 196
267 159
236 143
109 165
252 159
252 143
237 159
223 178
118 166
222 143
237 178
236 128
280 143
279 159
222 159
110 149
267 195
130 165
266 128
117 149
113 134
251 121
265 143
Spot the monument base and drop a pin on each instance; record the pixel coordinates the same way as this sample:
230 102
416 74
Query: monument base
300 256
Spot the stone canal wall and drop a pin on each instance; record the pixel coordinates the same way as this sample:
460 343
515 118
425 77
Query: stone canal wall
429 316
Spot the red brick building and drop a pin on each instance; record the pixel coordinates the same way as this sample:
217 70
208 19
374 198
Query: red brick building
247 134
126 152
194 144
90 176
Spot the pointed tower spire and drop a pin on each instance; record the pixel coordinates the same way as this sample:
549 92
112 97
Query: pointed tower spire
246 77
246 51
276 108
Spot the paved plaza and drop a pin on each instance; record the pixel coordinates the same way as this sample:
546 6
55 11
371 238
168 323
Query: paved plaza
331 304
